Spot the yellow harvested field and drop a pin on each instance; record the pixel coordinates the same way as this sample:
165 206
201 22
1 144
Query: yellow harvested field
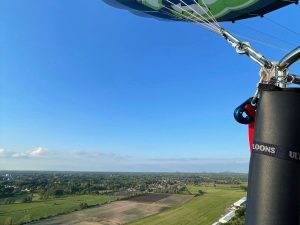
119 212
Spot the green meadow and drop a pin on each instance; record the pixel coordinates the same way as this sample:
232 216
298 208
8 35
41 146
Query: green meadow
22 212
201 210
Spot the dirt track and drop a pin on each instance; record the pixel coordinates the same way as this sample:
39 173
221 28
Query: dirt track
119 212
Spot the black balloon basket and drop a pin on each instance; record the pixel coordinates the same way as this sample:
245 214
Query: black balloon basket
274 175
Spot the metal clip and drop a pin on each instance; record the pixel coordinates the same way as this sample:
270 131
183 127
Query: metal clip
242 47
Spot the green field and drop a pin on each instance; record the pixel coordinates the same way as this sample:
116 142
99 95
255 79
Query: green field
21 212
202 210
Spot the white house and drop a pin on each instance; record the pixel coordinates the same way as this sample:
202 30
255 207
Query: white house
240 202
227 217
216 223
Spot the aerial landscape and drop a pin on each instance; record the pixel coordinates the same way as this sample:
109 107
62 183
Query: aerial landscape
117 198
149 112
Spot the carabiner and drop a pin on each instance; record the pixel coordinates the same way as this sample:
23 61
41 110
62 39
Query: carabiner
243 114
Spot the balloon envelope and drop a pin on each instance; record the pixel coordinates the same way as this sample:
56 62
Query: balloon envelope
222 10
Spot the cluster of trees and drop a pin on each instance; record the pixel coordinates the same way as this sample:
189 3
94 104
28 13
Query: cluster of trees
6 191
26 198
200 193
57 184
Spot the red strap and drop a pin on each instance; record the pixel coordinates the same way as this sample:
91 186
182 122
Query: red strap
251 135
252 114
250 110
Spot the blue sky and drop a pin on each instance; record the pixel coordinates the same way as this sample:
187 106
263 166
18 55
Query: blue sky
84 86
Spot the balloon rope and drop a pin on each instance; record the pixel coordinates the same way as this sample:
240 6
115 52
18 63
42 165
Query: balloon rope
260 42
215 27
208 13
195 11
269 35
187 19
282 26
204 23
190 20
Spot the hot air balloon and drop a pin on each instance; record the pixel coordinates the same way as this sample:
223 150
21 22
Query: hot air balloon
221 10
208 14
273 112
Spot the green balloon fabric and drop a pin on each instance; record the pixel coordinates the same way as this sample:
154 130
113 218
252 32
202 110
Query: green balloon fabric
222 10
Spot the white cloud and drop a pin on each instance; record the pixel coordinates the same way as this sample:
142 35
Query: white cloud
109 161
2 152
96 155
18 154
37 152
